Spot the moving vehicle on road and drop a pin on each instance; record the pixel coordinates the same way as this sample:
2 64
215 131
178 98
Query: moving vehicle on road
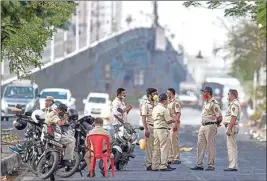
97 105
62 95
22 92
188 99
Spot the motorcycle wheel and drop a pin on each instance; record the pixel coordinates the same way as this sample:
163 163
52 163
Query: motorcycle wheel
42 165
117 157
33 164
70 172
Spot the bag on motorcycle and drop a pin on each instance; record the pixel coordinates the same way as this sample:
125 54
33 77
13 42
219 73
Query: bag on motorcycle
67 129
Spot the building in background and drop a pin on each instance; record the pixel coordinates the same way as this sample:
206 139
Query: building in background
106 18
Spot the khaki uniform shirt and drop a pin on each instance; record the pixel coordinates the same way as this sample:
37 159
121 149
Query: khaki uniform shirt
51 117
146 110
174 107
211 110
234 109
117 103
161 116
102 131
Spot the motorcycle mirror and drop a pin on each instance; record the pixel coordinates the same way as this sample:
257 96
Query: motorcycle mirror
28 113
120 110
141 128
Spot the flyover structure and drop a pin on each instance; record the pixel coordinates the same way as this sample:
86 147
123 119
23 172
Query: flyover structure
128 60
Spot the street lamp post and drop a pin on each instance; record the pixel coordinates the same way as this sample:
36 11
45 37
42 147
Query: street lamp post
77 28
88 22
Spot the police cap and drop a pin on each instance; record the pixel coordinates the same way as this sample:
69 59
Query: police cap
207 89
163 97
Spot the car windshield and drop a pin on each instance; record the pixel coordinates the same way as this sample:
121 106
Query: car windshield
19 92
56 95
100 100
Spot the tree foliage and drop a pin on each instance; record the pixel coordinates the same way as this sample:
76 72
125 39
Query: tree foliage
256 10
247 48
25 29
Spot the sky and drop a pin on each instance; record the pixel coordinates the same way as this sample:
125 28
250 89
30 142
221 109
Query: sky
198 29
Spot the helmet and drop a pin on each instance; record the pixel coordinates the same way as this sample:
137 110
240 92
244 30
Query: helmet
73 114
62 107
20 123
37 113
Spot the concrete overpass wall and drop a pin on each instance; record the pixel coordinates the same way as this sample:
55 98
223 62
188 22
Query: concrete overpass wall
126 54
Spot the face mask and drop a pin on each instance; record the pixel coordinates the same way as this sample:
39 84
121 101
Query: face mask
155 97
205 96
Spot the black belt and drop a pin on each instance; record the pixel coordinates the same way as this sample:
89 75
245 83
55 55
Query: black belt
161 128
209 123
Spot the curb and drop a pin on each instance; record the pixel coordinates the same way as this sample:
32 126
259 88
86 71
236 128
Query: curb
10 163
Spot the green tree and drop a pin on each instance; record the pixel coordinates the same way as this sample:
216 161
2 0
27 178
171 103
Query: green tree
255 10
26 26
247 48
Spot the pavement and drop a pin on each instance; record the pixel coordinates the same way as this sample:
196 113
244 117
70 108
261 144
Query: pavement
252 156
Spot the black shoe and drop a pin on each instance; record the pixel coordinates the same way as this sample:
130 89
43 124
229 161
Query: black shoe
169 162
176 162
149 168
230 170
167 169
197 168
210 168
66 163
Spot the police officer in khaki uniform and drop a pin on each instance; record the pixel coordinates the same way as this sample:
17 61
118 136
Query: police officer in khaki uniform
98 129
211 119
161 117
54 117
49 101
174 107
146 113
230 121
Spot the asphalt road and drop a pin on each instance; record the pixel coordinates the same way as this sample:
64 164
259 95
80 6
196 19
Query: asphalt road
252 156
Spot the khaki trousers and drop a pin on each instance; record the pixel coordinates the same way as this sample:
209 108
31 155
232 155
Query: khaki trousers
161 149
206 140
149 146
69 141
232 148
174 153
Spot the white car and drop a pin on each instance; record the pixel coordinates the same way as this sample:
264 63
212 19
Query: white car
188 99
62 95
97 105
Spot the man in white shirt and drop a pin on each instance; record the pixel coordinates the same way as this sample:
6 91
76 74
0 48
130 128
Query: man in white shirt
118 102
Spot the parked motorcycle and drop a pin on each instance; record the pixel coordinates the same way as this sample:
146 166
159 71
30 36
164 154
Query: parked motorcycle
32 147
81 129
123 142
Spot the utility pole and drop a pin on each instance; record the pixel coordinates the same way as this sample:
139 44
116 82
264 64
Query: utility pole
155 13
97 21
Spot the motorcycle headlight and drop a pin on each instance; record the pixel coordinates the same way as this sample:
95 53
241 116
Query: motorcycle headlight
3 105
